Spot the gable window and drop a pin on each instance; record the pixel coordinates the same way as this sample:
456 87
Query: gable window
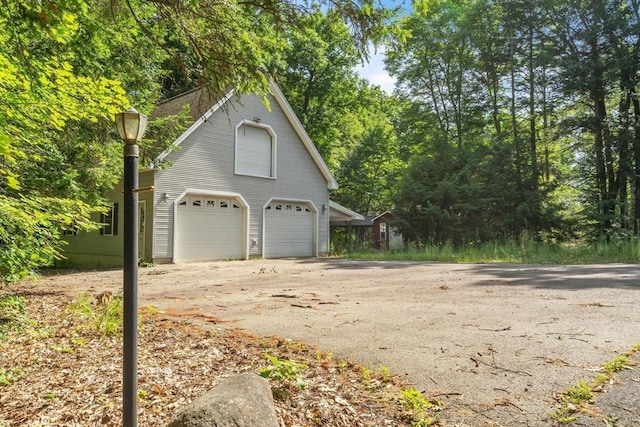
255 153
109 220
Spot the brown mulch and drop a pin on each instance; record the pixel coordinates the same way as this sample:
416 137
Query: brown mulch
58 371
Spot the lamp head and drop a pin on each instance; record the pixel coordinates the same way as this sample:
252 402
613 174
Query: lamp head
131 125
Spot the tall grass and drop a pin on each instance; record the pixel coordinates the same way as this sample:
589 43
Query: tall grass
524 251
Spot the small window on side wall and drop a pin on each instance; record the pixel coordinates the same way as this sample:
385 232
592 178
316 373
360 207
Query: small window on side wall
383 231
71 231
109 220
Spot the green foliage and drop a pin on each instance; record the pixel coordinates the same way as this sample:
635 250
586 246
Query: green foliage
421 411
619 363
348 120
161 133
574 399
10 376
517 121
12 313
103 315
283 371
563 415
385 372
578 394
30 228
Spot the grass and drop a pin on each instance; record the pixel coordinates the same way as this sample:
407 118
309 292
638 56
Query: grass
102 314
576 399
524 251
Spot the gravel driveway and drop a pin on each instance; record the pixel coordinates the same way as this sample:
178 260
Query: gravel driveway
493 342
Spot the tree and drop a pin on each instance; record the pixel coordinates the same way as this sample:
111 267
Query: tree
599 65
476 77
350 122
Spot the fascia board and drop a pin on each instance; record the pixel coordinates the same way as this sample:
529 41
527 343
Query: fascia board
332 184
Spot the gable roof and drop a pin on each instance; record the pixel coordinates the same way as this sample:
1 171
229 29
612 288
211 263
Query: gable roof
198 101
380 215
362 221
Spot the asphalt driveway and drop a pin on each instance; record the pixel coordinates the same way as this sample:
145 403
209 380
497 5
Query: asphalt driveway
493 342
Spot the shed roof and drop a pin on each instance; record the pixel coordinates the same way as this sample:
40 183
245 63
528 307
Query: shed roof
340 213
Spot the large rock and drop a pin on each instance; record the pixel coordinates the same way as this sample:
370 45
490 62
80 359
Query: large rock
244 400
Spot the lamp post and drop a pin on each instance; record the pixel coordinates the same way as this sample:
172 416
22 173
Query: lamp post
131 126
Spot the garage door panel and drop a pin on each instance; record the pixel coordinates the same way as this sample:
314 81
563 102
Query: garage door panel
289 230
208 231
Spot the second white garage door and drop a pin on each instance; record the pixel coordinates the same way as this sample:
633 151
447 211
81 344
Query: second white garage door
289 230
209 228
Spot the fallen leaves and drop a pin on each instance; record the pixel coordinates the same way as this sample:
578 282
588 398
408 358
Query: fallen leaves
72 376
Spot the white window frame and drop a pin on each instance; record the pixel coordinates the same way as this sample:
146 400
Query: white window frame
109 221
384 229
274 145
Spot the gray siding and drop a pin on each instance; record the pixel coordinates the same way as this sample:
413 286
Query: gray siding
205 161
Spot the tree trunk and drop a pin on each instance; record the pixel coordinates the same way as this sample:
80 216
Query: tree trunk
636 158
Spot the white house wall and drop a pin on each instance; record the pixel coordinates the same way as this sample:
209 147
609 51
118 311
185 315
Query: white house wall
205 160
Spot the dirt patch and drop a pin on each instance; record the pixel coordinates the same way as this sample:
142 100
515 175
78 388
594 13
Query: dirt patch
494 343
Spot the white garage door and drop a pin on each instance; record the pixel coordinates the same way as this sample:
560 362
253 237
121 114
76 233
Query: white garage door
289 230
209 228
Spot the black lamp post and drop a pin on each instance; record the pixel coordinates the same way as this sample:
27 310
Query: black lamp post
131 126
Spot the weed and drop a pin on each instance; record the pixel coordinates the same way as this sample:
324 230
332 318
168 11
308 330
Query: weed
142 395
11 375
62 349
564 414
600 379
283 370
78 342
420 410
524 250
611 421
104 314
385 372
578 394
365 375
320 356
110 317
618 364
574 399
152 310
12 309
294 346
40 332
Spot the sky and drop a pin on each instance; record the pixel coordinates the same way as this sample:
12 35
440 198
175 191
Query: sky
375 73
